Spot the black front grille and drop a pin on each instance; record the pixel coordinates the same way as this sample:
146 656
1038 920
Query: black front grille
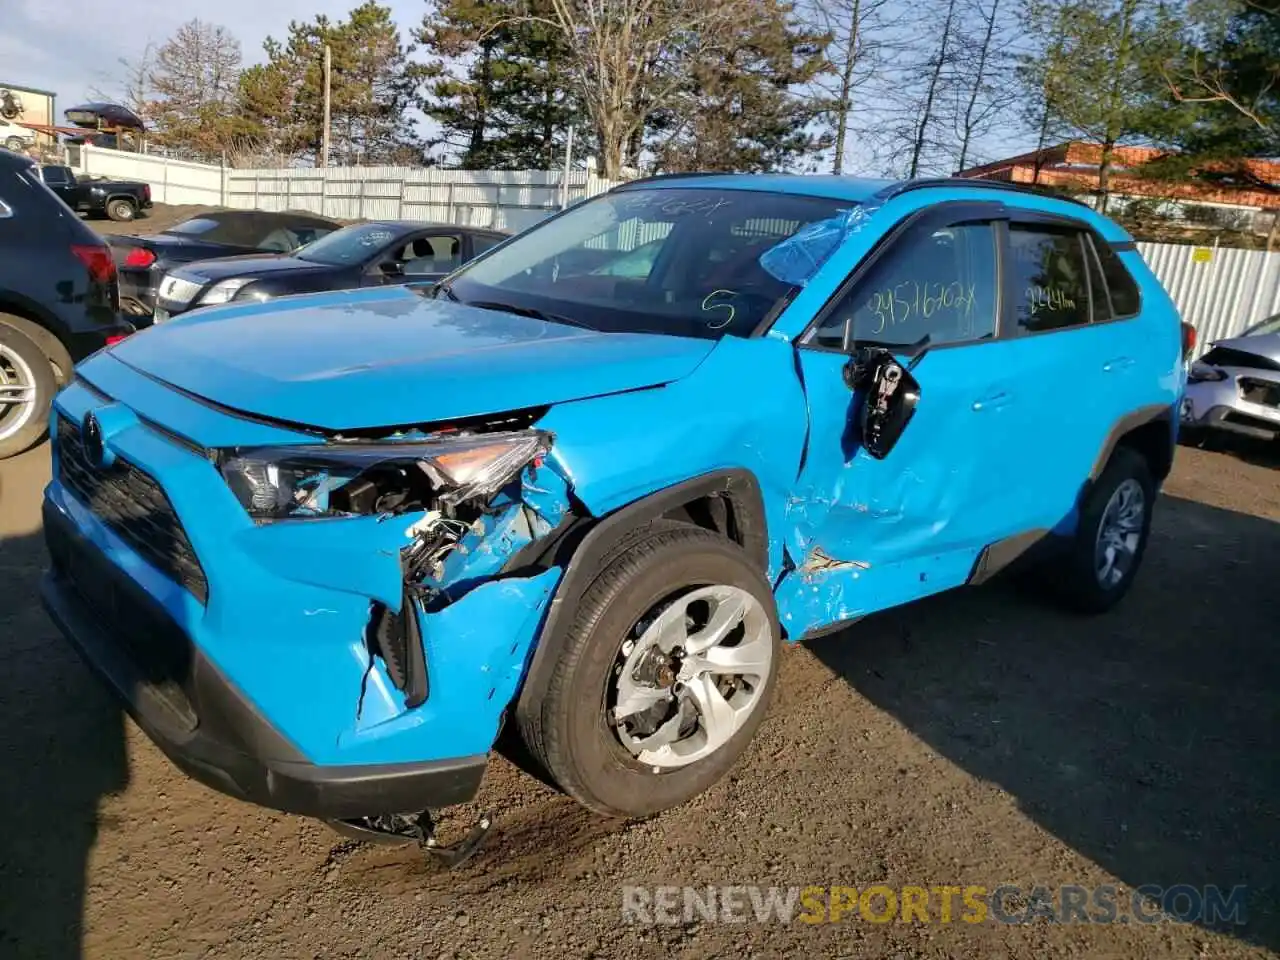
134 507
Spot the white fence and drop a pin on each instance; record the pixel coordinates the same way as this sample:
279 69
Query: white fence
172 181
509 200
1219 291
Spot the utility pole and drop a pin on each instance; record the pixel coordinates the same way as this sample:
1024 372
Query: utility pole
568 161
324 135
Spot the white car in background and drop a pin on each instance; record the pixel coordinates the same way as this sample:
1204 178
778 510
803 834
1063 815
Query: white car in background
15 137
1235 386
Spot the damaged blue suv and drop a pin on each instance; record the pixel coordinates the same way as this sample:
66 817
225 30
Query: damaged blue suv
328 548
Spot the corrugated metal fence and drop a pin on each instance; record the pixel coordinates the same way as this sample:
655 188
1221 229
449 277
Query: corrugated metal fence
505 199
1219 292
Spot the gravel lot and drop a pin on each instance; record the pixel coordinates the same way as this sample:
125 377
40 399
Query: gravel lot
977 738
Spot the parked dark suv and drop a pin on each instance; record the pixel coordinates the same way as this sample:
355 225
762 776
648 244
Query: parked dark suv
59 300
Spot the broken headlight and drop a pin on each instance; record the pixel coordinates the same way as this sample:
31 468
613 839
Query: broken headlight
361 479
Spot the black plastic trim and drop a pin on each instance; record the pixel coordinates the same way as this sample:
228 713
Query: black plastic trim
924 183
1127 424
996 556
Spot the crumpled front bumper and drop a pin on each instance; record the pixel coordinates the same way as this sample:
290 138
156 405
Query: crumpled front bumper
266 688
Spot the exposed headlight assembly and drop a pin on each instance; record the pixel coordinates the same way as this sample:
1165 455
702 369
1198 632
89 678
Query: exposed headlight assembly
224 291
370 478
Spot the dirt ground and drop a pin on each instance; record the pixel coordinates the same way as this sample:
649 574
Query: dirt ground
978 738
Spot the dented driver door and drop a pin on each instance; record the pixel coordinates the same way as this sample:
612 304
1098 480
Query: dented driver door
866 533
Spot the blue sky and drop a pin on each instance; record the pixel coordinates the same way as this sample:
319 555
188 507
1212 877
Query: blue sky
74 46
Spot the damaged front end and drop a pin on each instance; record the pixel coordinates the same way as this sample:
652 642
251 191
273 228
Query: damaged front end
444 512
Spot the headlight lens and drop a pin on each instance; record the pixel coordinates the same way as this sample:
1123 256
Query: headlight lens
224 290
360 479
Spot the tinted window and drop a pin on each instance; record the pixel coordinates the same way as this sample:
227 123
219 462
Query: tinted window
1050 278
350 245
1125 300
427 255
57 175
696 270
940 283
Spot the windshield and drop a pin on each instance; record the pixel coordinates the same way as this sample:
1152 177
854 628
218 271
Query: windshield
350 245
660 260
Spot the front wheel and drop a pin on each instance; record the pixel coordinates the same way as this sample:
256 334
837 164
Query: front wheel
121 210
663 677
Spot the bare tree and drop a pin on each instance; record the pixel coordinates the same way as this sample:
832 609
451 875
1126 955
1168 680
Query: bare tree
938 73
857 51
983 72
632 58
194 83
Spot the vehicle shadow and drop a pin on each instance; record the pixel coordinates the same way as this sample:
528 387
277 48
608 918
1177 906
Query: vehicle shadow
1146 739
1261 453
61 749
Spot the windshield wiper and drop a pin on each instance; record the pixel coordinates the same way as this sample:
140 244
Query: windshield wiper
520 311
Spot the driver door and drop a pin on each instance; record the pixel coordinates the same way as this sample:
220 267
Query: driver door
864 533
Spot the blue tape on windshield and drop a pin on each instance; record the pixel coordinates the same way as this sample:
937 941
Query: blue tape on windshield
796 259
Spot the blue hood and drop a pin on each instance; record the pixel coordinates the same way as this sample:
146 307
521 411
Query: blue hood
348 360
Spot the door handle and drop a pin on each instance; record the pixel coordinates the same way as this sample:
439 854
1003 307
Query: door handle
1117 364
992 401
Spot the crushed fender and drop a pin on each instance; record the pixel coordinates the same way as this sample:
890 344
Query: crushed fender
819 560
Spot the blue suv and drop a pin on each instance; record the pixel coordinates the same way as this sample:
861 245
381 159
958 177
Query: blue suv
328 548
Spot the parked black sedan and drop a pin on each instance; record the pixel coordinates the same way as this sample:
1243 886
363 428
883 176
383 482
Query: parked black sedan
362 255
144 260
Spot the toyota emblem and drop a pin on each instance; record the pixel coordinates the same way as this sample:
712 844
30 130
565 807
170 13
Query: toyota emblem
91 440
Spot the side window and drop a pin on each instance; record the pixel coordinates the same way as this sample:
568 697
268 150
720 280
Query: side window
429 255
1050 280
940 283
480 242
1125 300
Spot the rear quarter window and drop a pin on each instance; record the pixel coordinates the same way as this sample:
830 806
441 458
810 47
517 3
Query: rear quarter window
1125 299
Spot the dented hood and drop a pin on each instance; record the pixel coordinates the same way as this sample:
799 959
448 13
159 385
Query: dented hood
348 360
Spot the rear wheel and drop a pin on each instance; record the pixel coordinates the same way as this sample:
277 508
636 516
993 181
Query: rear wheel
1111 538
663 677
27 386
121 210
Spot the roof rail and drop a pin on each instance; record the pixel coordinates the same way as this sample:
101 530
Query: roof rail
906 186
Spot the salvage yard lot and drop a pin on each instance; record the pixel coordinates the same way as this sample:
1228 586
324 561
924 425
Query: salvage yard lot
977 738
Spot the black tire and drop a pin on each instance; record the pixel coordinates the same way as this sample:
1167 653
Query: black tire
121 210
566 729
35 422
1075 576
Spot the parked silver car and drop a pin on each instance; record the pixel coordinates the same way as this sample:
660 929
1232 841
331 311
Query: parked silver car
1235 386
